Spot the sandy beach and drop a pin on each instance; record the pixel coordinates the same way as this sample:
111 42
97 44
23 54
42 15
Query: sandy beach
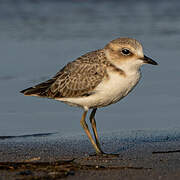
53 156
37 39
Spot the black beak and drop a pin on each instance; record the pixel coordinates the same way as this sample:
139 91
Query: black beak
149 60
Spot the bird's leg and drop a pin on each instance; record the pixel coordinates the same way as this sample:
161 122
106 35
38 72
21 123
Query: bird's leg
86 129
93 124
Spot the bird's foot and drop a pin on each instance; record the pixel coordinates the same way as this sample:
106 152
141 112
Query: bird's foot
103 154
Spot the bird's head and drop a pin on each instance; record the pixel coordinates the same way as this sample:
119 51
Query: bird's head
127 53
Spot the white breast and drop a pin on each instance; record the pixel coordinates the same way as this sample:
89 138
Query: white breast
116 87
109 91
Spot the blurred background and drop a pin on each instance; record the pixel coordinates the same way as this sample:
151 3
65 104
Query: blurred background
38 37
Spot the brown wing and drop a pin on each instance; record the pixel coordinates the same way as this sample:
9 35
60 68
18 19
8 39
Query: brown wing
77 78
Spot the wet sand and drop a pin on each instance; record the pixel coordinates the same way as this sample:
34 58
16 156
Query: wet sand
45 157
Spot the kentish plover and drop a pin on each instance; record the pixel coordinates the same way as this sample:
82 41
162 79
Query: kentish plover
96 79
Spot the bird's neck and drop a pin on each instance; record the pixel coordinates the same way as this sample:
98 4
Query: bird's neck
130 68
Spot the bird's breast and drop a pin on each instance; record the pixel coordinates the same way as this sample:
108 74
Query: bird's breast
116 87
109 91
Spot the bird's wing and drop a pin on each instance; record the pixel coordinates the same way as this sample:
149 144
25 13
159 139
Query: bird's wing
78 78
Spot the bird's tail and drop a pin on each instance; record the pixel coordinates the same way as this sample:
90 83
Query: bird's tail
39 90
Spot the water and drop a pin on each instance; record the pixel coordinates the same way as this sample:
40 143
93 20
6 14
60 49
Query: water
38 37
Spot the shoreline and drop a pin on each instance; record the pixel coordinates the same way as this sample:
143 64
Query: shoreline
151 157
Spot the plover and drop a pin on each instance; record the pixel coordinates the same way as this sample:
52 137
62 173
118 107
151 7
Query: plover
96 79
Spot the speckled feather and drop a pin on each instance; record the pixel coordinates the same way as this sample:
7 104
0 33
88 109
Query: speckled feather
77 78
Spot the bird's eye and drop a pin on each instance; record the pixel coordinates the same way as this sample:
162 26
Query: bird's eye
125 52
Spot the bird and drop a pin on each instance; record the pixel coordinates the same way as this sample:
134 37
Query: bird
95 80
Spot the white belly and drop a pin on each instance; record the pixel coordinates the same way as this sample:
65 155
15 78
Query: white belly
107 92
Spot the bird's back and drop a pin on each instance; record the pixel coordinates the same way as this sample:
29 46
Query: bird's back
77 78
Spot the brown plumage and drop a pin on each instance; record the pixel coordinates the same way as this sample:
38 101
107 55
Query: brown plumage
77 78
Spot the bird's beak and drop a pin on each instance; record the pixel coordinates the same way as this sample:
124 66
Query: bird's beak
149 60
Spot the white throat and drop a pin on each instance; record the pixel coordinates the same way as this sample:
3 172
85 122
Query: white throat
131 66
